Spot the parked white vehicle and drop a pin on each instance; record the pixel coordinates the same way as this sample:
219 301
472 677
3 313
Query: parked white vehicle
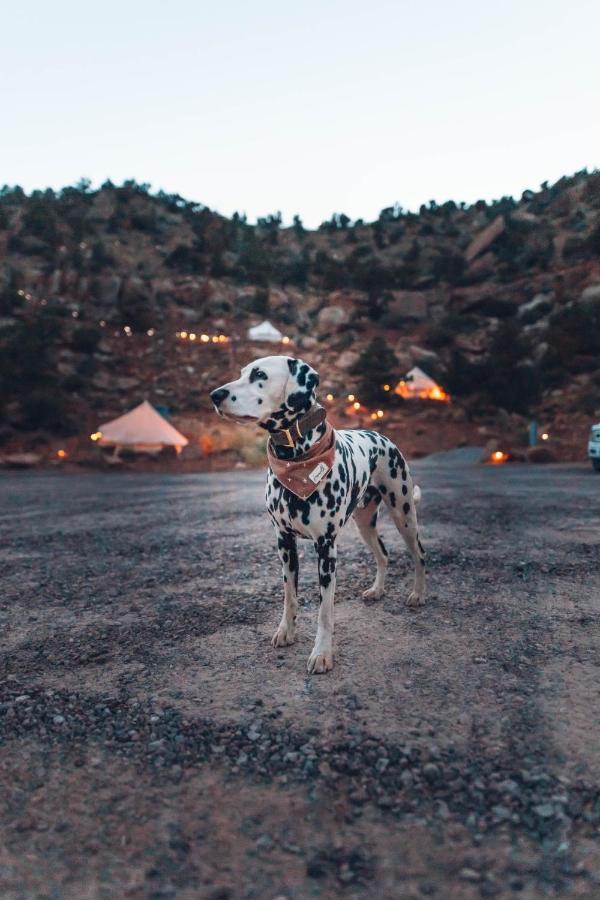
594 446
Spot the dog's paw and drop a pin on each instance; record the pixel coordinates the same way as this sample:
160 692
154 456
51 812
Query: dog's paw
285 635
373 593
414 599
320 661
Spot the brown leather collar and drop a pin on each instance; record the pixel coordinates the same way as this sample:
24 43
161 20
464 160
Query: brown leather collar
289 437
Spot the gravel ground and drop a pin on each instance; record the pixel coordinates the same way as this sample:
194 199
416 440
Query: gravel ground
153 744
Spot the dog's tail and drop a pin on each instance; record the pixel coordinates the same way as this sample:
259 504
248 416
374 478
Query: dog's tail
416 494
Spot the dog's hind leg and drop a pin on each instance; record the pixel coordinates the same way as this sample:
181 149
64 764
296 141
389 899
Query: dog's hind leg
321 658
404 514
394 481
288 554
366 522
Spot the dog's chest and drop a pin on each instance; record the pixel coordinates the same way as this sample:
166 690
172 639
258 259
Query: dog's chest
334 499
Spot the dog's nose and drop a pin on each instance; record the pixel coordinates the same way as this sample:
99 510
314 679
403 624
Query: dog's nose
218 396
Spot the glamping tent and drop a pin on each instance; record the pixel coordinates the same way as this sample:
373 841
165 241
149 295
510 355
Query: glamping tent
265 332
142 429
417 385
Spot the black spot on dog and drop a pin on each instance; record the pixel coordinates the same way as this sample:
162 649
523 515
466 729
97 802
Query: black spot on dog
257 375
406 508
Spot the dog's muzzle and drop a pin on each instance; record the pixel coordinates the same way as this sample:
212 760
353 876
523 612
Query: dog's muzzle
218 396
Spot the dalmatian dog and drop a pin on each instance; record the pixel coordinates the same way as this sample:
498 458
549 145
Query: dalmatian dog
279 394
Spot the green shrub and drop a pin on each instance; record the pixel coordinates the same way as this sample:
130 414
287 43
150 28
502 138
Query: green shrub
86 339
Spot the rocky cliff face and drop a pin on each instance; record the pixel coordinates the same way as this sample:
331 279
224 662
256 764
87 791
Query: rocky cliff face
500 302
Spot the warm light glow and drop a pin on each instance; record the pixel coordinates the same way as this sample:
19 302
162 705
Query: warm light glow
192 336
379 414
386 387
356 405
350 397
127 330
96 436
223 339
498 457
285 340
545 436
61 454
405 389
151 332
329 397
215 339
102 323
204 338
183 335
75 314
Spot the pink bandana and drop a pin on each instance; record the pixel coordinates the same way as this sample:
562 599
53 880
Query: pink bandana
302 476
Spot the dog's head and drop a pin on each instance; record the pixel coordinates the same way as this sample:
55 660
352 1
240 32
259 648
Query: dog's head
272 391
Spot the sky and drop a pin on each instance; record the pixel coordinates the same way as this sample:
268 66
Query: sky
309 107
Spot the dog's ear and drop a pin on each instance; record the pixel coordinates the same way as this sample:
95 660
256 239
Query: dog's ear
301 385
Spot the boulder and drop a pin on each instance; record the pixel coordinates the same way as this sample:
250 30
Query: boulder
347 359
332 318
540 306
408 304
486 237
591 294
421 355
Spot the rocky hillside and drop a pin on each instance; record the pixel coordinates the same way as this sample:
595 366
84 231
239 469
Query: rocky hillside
498 301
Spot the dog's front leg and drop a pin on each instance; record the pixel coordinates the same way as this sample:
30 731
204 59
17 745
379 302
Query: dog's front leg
321 658
288 554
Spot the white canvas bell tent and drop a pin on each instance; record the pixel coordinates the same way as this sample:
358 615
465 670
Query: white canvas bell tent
265 332
418 385
142 429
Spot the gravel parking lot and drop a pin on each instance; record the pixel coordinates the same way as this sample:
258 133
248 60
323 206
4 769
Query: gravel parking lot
153 744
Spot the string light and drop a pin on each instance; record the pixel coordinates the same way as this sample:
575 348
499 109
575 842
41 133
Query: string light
350 397
204 338
379 414
96 436
151 332
285 340
545 436
192 336
329 397
386 387
356 404
62 454
127 330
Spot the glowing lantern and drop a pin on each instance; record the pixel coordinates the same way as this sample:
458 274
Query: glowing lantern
356 404
96 436
183 335
329 397
285 340
379 414
545 436
386 387
192 336
498 457
62 454
204 338
151 332
350 397
215 339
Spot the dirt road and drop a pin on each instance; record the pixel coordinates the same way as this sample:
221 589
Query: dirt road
153 743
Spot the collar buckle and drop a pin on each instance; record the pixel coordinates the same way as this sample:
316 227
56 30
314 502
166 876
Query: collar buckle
288 435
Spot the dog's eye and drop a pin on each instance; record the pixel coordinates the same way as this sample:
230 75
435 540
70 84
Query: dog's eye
257 375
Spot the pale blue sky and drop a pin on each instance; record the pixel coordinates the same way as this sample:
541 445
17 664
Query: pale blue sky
308 107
